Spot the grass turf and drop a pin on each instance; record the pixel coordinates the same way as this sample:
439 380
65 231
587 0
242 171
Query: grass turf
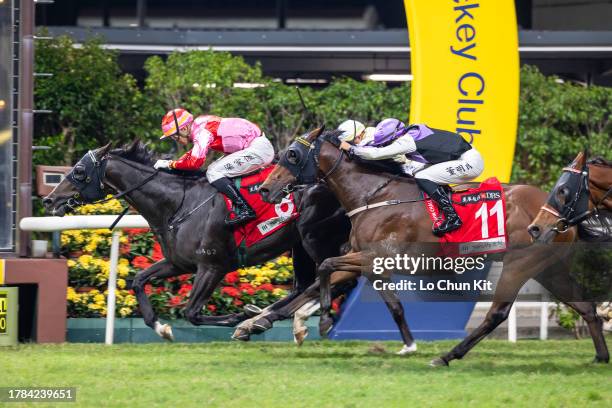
339 374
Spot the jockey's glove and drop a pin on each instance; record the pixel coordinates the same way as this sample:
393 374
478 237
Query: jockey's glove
162 164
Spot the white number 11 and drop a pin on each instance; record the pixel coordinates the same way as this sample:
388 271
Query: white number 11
498 212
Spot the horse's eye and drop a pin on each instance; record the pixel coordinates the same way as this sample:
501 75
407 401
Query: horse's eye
79 173
563 195
292 156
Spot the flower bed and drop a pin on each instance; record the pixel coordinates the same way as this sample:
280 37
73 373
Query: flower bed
88 252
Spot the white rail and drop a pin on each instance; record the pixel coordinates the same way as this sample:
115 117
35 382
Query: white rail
50 224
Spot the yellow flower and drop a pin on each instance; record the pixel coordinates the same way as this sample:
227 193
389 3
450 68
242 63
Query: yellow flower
125 311
279 292
99 298
85 260
121 283
123 270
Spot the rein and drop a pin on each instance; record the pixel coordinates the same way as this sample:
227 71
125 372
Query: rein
296 149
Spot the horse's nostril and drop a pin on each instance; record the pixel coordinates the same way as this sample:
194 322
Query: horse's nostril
534 231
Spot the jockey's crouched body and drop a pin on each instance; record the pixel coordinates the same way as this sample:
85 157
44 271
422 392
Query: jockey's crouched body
436 158
246 146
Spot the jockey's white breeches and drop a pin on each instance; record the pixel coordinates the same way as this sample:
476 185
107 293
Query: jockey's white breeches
469 166
257 155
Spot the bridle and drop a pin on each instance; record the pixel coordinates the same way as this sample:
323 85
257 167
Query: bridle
87 177
301 159
574 211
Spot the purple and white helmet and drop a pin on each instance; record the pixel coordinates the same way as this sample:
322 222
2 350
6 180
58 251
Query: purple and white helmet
388 130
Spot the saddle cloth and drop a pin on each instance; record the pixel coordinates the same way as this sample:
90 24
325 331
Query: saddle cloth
483 212
270 217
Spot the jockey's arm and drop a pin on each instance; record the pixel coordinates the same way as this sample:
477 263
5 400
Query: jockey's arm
195 158
401 146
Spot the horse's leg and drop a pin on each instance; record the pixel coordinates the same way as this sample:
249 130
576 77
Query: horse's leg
161 269
304 276
498 312
263 320
349 263
589 314
300 331
517 269
559 283
520 265
304 268
206 280
397 311
280 310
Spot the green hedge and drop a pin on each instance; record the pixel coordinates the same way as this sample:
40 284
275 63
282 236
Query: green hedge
94 102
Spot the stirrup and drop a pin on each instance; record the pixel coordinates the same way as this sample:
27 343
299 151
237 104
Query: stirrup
240 218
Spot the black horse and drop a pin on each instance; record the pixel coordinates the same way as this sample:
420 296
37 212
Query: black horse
187 216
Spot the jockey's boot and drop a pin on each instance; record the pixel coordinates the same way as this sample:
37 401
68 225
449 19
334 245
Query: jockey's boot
242 209
438 193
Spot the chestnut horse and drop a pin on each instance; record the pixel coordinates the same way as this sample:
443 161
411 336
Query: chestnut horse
404 219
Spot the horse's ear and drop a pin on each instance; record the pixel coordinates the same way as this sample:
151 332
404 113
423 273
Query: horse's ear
315 133
580 160
133 145
103 151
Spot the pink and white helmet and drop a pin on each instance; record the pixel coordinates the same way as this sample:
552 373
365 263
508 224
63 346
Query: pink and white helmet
174 120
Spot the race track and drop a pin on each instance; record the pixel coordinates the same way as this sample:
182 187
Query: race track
334 374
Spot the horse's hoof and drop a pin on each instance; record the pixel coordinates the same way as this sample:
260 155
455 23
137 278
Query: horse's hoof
300 336
325 326
438 362
260 325
601 360
241 335
406 350
252 310
164 331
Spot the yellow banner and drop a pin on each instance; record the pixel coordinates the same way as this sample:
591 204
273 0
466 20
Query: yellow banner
2 268
465 64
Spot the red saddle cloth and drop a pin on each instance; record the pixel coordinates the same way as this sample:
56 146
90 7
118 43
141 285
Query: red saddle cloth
483 212
270 217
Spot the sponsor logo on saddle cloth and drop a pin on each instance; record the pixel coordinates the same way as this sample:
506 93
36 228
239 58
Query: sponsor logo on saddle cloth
483 212
270 217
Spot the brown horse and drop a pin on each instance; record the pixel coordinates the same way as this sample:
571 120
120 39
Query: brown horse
405 220
582 196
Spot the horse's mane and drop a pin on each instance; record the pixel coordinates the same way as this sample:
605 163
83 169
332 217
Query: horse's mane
138 152
600 161
379 166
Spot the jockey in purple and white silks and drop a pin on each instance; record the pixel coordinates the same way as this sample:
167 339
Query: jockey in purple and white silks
436 158
245 146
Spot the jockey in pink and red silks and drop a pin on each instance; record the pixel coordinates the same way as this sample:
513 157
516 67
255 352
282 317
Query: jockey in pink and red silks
246 147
